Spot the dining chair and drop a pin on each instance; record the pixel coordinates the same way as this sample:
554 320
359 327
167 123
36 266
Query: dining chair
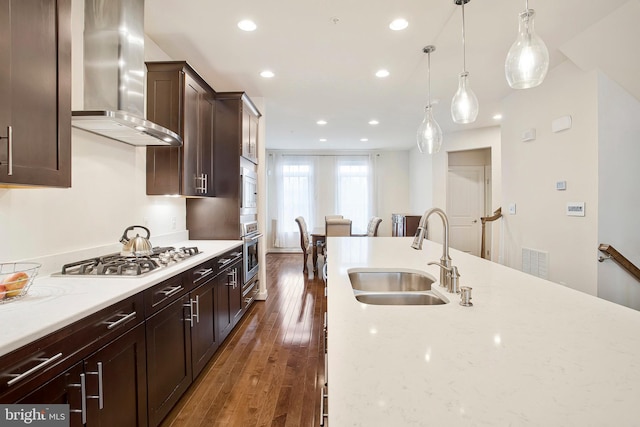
338 227
326 217
372 227
305 244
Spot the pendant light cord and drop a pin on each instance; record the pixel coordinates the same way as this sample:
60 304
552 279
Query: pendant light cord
429 79
464 58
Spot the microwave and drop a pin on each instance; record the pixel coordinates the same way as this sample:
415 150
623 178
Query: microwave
249 192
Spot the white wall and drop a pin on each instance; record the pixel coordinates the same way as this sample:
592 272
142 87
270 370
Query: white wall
392 168
530 171
618 199
107 193
431 171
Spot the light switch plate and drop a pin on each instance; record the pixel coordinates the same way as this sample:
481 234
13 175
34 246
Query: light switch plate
512 209
561 185
575 209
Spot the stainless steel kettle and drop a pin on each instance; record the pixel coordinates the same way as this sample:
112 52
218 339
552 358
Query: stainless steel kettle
137 246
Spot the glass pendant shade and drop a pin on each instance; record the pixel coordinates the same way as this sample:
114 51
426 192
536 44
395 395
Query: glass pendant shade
429 133
464 106
527 62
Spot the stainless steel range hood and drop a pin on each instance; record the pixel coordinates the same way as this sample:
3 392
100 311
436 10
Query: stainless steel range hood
114 75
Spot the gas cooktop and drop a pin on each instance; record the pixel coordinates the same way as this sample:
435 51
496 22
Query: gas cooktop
128 266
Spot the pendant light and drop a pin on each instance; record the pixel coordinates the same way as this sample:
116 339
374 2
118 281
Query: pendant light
429 132
464 106
528 59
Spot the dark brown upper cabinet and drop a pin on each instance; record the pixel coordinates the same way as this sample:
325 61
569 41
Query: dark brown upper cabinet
35 93
219 217
242 126
179 99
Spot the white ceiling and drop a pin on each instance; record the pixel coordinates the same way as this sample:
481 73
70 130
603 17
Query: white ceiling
325 53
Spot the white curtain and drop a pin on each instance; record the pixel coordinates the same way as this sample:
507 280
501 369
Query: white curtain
313 186
295 196
354 190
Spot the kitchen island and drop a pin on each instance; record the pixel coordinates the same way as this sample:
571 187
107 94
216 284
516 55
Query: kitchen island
528 352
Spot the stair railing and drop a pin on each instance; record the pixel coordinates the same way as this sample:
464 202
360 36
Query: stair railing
611 253
496 215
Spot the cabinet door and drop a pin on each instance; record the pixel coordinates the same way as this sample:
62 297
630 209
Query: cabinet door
205 152
168 358
120 366
204 336
63 389
253 137
223 307
249 133
235 295
192 137
35 92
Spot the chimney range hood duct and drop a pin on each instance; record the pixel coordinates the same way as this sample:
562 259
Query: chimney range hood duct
114 75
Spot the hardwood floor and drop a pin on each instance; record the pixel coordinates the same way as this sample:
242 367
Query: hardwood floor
269 371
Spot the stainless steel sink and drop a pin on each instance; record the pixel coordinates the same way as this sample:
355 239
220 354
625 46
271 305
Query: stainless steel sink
389 281
384 287
403 298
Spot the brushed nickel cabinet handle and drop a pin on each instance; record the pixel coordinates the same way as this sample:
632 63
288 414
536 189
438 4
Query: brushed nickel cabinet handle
171 291
44 362
124 318
100 395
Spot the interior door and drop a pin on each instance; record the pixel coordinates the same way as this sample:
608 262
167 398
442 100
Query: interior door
465 206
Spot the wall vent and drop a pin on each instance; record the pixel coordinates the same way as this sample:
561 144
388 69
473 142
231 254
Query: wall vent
535 262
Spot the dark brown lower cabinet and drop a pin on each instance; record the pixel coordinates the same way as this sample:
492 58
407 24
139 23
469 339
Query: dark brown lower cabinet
229 293
112 381
168 358
204 336
114 369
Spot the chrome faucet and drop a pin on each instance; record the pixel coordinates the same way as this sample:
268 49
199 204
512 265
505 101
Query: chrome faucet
448 273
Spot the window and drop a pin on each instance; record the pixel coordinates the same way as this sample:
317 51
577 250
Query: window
317 185
295 197
353 191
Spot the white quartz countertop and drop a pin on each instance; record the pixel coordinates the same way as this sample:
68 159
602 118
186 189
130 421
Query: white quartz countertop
529 351
54 302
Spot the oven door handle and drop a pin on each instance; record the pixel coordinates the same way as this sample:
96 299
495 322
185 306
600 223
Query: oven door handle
252 238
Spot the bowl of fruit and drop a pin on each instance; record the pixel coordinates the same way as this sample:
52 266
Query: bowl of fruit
15 279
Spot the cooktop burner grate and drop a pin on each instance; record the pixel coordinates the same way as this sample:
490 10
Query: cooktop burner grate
118 265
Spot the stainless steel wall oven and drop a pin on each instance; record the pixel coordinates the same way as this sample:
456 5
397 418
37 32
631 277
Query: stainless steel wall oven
251 261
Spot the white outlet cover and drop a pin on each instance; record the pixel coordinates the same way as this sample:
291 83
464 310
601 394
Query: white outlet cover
512 209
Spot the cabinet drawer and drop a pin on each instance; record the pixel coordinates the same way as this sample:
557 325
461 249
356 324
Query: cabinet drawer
30 366
204 271
162 294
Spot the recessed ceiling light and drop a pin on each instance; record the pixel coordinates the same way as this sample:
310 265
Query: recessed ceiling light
382 73
364 139
321 122
373 122
323 139
398 24
497 116
267 74
247 25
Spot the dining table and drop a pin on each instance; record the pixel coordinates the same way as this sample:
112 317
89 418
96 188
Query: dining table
317 236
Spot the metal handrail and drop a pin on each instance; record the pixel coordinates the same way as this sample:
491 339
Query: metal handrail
611 253
496 215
